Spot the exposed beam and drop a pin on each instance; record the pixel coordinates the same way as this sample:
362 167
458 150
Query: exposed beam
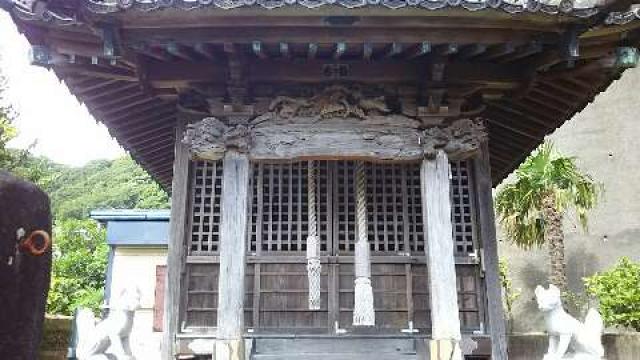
419 50
471 51
123 103
498 51
110 91
500 121
394 50
284 50
258 50
312 51
120 115
522 52
93 84
152 52
180 51
152 136
341 48
560 105
367 51
147 123
447 49
512 109
523 107
204 50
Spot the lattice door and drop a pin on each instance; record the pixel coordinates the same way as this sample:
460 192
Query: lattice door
277 286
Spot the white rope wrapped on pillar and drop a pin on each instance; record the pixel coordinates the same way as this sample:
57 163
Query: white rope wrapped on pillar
314 268
363 312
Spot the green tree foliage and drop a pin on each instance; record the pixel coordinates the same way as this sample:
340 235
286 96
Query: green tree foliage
120 184
79 266
509 293
531 209
618 291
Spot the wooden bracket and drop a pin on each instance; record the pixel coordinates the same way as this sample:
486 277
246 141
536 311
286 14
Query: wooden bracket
110 41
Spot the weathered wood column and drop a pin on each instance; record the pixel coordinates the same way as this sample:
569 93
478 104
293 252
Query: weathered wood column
436 205
233 234
177 235
497 327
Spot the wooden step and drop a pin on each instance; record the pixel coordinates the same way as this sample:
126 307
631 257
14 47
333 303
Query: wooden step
335 348
333 356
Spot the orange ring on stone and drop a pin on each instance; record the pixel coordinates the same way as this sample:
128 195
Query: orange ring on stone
30 245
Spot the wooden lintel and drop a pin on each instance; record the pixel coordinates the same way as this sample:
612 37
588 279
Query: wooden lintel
328 35
284 71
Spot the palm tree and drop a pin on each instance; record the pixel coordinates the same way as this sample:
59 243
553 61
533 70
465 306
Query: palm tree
531 209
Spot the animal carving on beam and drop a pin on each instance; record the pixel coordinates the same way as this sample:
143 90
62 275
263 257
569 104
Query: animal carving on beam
459 140
333 102
209 138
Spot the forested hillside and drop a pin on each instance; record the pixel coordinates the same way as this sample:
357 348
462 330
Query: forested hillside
100 184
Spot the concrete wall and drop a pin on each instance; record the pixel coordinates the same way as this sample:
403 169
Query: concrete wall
534 346
136 266
605 137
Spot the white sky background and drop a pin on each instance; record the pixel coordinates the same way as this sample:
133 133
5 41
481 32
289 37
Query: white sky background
47 112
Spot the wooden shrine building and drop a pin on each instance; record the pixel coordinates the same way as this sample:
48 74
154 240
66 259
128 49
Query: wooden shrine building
331 161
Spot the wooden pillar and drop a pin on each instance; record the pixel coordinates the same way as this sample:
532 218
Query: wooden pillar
496 327
436 205
233 235
177 235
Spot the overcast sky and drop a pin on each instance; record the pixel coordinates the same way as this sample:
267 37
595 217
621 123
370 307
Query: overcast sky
47 113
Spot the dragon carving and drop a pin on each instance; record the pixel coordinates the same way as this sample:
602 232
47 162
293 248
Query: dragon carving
332 102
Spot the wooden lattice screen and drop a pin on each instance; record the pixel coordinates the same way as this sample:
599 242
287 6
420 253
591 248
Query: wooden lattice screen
206 189
278 227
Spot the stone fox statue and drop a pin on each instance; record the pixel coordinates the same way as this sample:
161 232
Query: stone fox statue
109 338
565 332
